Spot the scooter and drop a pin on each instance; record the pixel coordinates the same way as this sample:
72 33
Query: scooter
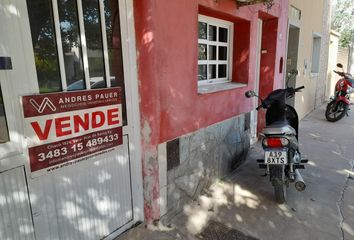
339 103
282 158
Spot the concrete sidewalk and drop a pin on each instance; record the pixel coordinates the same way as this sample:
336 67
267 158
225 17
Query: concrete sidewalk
245 200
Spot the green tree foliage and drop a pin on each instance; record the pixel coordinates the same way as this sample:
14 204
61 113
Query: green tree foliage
343 20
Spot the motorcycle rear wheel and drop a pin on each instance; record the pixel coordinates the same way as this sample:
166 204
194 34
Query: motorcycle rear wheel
334 112
277 174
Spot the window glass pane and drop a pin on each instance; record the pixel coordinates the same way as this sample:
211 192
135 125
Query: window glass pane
70 37
44 45
202 29
212 72
212 52
222 71
223 32
202 51
315 66
202 72
212 33
92 22
114 44
4 132
222 53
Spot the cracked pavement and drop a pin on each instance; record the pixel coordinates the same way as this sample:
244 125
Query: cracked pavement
337 137
345 206
245 200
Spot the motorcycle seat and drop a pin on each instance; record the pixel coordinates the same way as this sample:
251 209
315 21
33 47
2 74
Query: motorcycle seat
279 128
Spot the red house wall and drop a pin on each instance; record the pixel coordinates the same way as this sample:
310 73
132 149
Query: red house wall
167 51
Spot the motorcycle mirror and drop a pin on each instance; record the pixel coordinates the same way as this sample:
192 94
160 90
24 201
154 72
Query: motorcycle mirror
339 65
250 94
291 74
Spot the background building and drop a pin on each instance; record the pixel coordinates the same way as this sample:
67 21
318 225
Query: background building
309 31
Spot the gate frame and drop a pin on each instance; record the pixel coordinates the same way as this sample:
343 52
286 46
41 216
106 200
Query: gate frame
28 77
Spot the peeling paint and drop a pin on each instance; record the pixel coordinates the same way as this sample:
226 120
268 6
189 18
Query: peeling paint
151 185
167 69
146 132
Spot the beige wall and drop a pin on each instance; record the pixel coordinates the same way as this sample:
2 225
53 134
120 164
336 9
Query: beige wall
343 57
314 20
332 61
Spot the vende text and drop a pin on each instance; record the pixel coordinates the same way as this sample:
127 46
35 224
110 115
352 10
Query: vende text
67 125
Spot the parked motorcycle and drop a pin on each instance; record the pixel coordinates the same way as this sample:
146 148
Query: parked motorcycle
339 103
282 157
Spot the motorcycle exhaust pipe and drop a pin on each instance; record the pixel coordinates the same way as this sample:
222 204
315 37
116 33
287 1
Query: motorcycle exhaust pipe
299 182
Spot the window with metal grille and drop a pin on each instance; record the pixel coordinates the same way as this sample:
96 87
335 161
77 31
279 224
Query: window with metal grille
77 45
73 42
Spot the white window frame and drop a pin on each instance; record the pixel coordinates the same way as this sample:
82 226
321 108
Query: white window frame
229 44
316 54
12 146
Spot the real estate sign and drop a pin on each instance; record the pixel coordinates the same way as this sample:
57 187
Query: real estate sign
68 127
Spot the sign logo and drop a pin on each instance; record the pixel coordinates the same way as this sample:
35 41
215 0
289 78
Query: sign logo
45 103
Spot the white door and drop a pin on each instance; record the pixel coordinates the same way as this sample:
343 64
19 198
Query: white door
15 212
292 58
254 113
69 45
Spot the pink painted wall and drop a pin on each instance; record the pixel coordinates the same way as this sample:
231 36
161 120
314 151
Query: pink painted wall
167 36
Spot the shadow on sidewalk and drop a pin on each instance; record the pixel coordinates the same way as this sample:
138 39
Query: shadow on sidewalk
244 201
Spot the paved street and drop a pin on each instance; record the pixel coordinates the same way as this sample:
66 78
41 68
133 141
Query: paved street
245 201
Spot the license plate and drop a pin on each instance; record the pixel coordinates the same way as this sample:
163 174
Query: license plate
275 157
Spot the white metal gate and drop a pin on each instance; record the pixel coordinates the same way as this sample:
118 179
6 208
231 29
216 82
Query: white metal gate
87 201
15 214
94 199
